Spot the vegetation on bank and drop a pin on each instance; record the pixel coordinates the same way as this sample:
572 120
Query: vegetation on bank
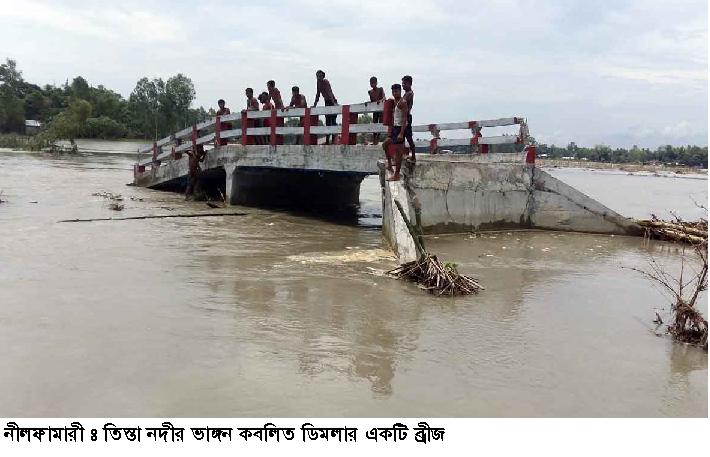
688 156
76 109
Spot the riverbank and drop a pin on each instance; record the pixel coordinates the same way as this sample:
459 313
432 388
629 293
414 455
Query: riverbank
23 142
626 167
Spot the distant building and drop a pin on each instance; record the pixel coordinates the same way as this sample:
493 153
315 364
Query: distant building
32 126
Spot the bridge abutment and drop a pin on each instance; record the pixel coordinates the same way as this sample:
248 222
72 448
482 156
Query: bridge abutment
478 193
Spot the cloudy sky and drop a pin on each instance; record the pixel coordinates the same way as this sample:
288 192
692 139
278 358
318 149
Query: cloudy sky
618 72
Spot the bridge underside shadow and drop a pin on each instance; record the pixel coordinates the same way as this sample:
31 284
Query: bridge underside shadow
293 188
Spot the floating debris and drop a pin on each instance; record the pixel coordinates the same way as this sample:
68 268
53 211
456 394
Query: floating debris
686 232
160 216
436 277
108 195
115 206
428 272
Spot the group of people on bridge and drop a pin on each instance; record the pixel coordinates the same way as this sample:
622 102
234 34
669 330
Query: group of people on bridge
394 145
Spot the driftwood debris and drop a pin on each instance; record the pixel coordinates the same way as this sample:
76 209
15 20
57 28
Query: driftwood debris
159 216
686 323
428 272
678 230
436 277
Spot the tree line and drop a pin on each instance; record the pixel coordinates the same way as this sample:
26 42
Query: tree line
155 108
692 156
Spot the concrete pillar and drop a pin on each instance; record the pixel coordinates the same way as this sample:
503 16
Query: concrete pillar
230 188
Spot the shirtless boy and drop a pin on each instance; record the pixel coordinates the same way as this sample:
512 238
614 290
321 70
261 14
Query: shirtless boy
399 131
223 111
297 99
274 94
409 97
252 102
264 98
377 94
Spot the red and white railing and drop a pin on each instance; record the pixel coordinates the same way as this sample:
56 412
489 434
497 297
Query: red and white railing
253 131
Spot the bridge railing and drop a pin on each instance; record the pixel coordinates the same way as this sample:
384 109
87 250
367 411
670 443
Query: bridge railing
267 127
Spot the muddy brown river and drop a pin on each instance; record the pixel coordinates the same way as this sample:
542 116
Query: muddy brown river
278 314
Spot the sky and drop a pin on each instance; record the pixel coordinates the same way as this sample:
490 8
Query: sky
619 72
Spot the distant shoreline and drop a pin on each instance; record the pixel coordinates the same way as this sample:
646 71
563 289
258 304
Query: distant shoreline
627 167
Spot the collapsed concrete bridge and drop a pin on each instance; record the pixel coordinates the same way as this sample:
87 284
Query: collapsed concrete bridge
483 189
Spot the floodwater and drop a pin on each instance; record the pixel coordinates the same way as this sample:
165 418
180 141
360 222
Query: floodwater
276 314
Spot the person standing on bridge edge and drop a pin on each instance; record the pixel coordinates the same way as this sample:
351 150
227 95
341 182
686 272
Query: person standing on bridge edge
377 94
396 140
409 98
223 111
275 94
323 87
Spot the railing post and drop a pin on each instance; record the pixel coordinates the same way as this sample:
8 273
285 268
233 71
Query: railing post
155 151
217 129
387 113
273 123
530 152
194 137
307 122
475 135
245 125
348 118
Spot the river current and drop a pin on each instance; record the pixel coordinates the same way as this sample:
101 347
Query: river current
275 314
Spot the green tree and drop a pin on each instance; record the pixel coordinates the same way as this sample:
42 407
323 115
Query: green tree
68 124
144 105
178 95
12 112
80 88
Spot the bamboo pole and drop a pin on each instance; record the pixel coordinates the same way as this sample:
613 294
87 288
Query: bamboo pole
161 216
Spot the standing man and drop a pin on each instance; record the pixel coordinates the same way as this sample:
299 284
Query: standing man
323 87
274 94
396 140
377 94
223 111
409 98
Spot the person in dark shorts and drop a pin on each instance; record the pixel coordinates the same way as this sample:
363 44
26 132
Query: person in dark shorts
409 98
377 94
223 111
323 87
394 145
